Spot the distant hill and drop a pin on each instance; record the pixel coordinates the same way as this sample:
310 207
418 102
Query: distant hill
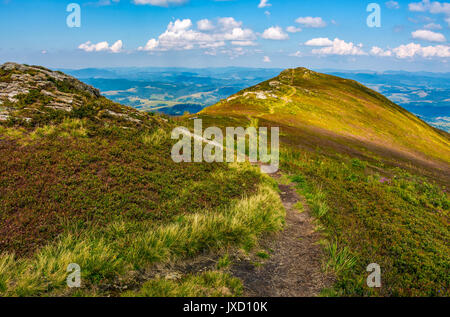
302 98
374 175
160 88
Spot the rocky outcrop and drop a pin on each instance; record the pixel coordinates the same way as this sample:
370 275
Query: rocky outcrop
55 89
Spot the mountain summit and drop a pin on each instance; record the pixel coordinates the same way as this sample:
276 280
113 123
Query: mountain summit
327 105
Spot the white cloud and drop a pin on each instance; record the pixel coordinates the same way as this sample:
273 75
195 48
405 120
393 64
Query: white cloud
392 4
239 34
296 54
264 4
275 33
448 21
233 52
243 43
116 47
150 46
434 7
159 3
101 46
293 29
320 41
229 23
180 35
413 49
377 51
340 47
205 25
311 22
429 36
266 59
433 26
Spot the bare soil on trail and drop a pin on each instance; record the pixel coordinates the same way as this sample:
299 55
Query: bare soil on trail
294 268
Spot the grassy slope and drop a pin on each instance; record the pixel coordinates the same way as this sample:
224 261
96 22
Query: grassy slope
374 175
302 98
101 190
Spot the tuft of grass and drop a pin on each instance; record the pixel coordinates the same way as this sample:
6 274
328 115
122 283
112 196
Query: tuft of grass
105 254
156 138
263 255
223 262
339 259
206 284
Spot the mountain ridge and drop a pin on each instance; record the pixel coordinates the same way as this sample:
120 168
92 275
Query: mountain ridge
343 106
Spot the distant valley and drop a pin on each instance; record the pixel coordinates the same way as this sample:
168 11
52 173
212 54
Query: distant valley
175 91
172 91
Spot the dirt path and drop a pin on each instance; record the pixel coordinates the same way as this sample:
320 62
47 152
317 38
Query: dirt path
294 266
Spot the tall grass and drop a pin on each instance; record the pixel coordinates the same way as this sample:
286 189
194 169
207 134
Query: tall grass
206 284
339 259
121 246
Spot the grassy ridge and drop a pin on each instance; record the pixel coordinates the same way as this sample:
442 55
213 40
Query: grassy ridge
85 180
303 98
375 177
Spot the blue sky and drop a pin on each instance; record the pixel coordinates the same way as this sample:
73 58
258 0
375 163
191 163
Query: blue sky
205 33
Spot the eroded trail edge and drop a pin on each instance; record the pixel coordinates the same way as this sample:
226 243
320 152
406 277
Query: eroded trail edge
294 268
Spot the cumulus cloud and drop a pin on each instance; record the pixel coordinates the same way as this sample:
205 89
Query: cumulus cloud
180 35
311 22
320 41
429 36
434 7
229 23
159 3
150 46
243 43
296 54
232 52
377 51
264 4
392 5
293 29
101 47
340 47
275 33
116 47
205 25
413 49
432 26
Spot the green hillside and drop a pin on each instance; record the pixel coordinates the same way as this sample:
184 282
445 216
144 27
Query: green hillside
85 180
375 176
303 98
88 181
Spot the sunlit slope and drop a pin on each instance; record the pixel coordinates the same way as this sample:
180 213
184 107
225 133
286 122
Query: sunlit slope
303 98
